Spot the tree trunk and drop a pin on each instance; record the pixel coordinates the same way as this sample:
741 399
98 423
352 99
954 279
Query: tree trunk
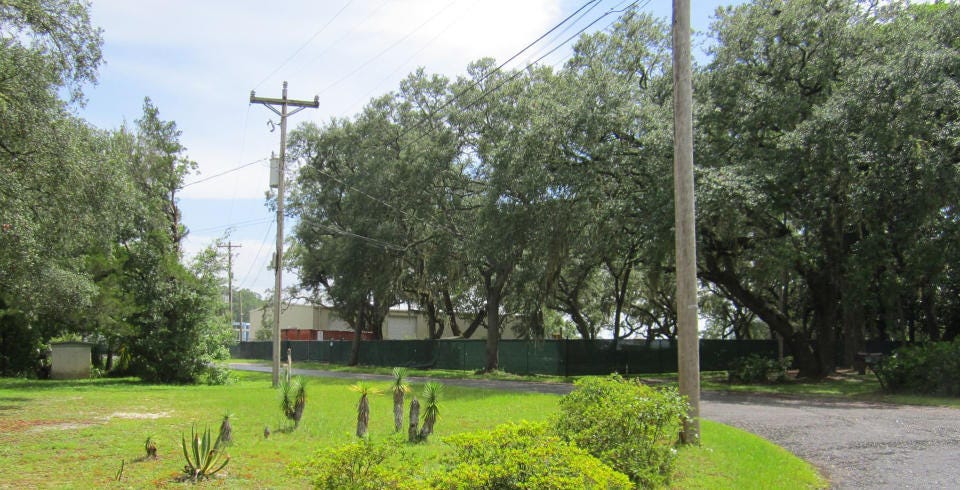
477 321
797 341
494 290
448 304
928 303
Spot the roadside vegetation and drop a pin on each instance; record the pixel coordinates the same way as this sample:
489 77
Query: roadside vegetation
79 433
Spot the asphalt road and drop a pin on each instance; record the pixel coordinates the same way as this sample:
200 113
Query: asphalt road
855 444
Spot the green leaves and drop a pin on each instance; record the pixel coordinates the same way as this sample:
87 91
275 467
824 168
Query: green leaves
203 457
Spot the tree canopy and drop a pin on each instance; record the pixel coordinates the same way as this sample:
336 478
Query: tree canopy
827 172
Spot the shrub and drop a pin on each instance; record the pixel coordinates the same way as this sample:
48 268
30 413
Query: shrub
357 466
216 374
522 456
932 369
757 368
628 425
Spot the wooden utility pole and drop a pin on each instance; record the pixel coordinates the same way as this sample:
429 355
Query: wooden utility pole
230 246
688 351
300 105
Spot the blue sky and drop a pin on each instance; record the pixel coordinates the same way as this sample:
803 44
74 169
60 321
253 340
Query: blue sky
198 60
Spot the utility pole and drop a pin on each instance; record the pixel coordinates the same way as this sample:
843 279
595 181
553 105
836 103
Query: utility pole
688 350
300 105
230 246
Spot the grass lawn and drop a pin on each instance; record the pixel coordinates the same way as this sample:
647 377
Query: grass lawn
74 434
845 383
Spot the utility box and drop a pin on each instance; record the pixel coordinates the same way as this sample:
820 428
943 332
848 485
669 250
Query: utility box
70 360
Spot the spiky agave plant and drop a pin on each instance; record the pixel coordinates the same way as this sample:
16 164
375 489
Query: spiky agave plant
432 392
293 398
363 407
400 387
204 457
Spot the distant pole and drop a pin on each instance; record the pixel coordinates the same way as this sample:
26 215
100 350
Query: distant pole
284 103
688 352
230 246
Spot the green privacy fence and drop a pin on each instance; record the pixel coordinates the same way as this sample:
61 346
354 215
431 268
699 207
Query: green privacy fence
552 357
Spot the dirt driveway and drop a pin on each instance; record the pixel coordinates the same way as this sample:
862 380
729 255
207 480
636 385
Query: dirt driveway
856 444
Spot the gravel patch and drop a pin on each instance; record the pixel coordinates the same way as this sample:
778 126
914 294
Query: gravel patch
855 444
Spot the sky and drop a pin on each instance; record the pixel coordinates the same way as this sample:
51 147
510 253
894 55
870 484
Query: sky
198 61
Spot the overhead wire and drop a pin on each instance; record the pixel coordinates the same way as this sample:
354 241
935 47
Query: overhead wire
405 62
305 44
516 74
386 50
253 264
225 172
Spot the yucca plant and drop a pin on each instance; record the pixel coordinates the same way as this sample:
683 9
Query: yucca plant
399 387
226 431
432 391
412 432
293 398
204 457
150 447
363 407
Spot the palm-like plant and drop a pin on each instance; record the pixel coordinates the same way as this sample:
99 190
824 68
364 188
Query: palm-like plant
432 391
412 434
204 457
293 395
399 387
363 407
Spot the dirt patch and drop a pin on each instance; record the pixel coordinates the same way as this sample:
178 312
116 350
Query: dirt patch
138 415
63 426
17 425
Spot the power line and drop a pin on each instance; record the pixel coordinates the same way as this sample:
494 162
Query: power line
305 44
263 241
388 48
225 172
239 224
517 73
406 61
338 40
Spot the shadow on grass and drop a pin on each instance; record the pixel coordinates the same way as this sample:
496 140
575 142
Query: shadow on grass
75 384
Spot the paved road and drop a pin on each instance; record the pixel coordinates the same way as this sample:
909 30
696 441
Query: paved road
856 444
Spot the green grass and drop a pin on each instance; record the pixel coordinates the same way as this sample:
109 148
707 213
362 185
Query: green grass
732 458
844 384
74 434
431 373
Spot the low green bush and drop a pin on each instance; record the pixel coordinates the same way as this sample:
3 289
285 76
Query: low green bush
522 456
930 369
757 368
360 465
626 424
